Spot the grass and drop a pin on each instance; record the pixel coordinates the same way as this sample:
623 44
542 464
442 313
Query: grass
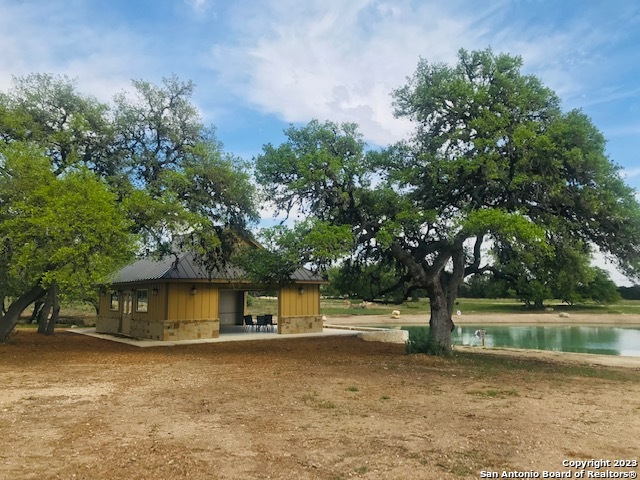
314 400
472 305
493 392
262 306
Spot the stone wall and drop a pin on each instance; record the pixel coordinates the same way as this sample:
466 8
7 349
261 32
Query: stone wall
106 324
163 330
302 324
146 329
190 329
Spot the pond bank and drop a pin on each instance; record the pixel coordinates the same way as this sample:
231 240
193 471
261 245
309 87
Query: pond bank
546 318
542 318
557 357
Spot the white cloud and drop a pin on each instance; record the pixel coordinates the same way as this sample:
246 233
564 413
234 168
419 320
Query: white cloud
631 172
46 38
335 60
340 60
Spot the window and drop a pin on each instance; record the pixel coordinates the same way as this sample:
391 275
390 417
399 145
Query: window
142 300
115 301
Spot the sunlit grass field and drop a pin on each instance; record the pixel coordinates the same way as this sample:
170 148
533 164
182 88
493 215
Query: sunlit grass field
261 305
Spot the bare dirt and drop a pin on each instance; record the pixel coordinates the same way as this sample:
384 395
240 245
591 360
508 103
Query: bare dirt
73 406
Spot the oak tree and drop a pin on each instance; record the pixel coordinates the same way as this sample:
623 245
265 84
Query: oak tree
57 233
493 164
171 178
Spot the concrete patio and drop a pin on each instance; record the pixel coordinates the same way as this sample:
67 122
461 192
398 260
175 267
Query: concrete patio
237 333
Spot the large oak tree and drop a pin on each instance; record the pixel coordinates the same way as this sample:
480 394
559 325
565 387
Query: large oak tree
57 233
494 163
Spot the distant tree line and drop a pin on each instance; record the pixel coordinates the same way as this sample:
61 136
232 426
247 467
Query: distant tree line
383 284
630 293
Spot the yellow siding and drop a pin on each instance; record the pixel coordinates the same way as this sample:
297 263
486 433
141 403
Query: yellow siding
157 306
292 303
183 305
103 306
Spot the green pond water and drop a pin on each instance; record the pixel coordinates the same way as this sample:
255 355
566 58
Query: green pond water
605 340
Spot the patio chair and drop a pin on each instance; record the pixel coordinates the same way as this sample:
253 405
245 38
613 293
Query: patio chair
261 322
247 321
269 322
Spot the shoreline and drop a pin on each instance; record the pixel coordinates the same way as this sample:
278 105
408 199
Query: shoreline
547 318
524 319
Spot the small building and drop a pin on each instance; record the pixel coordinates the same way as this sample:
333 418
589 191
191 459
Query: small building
176 299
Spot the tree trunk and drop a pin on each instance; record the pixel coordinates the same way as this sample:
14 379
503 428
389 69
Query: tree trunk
43 315
452 281
9 321
37 308
55 313
95 303
440 323
443 292
49 313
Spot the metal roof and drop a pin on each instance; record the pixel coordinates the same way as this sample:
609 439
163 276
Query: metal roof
184 267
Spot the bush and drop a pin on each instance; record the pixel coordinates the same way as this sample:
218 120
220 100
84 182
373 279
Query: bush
419 342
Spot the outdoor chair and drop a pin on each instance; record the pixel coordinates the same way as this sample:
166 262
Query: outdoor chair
247 321
269 322
261 322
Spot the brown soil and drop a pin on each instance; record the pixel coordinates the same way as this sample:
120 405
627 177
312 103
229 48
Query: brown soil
72 406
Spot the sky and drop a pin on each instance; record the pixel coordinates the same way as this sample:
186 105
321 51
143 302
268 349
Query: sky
261 65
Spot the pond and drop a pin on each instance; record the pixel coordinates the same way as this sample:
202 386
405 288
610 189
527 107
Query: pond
603 340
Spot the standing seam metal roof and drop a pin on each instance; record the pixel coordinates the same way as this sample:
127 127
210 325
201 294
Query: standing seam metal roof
184 267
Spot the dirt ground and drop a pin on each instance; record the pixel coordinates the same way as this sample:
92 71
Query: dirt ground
77 407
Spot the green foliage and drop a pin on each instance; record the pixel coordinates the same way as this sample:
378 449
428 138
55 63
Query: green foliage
314 169
630 293
600 288
564 273
71 128
67 228
483 286
284 250
494 163
265 266
81 178
377 281
509 227
150 146
420 341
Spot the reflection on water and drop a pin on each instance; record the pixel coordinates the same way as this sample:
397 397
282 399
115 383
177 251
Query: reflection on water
583 339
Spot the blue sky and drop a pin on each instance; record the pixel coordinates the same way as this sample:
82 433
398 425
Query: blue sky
260 65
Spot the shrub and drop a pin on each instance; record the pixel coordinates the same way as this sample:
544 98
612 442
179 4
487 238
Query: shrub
419 342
